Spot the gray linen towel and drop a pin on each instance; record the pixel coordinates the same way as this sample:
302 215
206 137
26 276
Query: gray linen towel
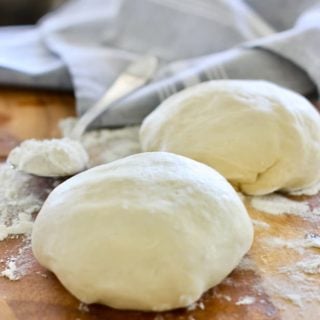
85 44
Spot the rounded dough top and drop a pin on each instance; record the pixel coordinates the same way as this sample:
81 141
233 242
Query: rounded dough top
259 136
151 231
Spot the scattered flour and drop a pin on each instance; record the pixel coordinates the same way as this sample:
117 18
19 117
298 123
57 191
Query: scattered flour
295 298
241 196
21 195
196 305
303 285
201 305
311 265
192 306
245 300
260 224
20 198
311 191
310 240
298 281
247 264
105 145
300 290
83 307
223 296
49 158
42 274
278 204
11 269
18 265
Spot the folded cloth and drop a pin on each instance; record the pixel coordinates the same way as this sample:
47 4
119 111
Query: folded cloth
26 60
86 44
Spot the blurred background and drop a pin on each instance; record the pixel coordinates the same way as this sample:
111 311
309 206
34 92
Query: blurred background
17 12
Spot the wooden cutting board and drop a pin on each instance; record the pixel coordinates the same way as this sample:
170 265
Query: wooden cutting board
267 285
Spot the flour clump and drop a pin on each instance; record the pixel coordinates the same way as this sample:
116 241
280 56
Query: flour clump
49 158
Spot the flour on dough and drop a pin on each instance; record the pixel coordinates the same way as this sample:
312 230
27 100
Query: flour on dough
259 136
152 231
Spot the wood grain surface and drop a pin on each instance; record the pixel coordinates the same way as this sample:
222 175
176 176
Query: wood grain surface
260 288
28 114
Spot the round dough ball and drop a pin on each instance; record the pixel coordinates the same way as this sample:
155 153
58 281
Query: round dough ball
152 231
49 158
259 136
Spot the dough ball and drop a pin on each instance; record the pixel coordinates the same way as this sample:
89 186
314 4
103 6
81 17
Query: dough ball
49 158
152 231
259 136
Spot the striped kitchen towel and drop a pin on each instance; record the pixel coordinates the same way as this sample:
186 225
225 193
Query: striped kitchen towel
85 44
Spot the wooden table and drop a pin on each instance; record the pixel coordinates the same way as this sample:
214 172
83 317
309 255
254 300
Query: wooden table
258 289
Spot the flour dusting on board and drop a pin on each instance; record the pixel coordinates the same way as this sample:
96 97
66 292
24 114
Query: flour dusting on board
83 307
310 265
310 240
105 145
19 264
11 269
260 224
298 281
20 199
21 195
301 290
310 191
246 300
278 204
247 264
196 305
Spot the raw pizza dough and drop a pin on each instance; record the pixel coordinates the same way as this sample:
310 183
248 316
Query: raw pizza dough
152 231
49 158
259 136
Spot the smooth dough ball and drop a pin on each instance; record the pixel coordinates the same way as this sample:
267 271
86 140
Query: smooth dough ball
49 158
259 136
152 231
